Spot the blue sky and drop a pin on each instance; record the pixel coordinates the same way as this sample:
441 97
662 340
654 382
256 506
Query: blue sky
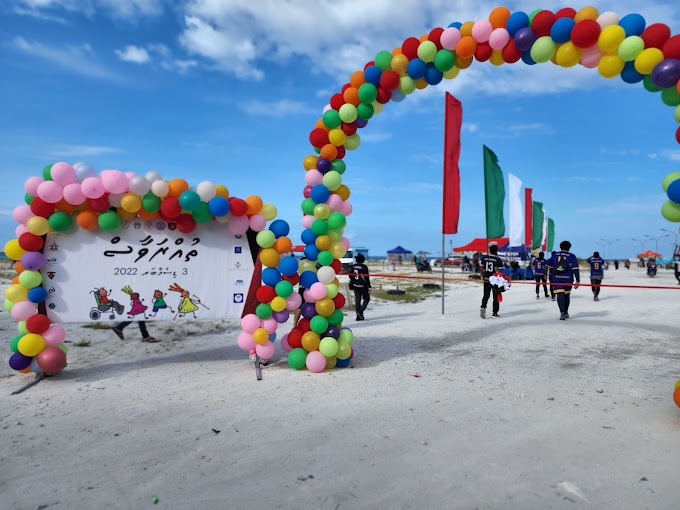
228 91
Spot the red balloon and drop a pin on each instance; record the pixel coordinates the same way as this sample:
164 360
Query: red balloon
100 204
170 208
435 36
368 64
51 360
30 242
318 137
567 12
307 192
542 23
265 294
671 48
483 52
339 301
345 87
585 33
41 208
389 81
237 206
656 35
677 135
410 47
383 95
336 265
510 53
295 338
349 129
185 223
294 278
37 324
337 101
341 152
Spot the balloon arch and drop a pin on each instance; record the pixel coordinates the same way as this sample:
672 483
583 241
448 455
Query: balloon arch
625 47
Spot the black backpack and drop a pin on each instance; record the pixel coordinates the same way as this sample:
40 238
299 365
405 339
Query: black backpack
562 267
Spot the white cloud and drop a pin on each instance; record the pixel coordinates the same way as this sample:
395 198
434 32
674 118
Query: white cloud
375 137
134 54
33 13
470 127
82 150
670 155
129 10
281 108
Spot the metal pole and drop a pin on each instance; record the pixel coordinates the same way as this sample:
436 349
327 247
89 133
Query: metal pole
443 274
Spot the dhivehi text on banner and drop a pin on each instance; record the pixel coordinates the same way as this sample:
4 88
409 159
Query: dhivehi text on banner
146 271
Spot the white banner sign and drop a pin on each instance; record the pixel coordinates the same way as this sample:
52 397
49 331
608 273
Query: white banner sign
146 270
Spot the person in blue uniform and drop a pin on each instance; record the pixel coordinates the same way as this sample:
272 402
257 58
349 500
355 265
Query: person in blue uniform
549 272
488 265
565 270
539 269
596 274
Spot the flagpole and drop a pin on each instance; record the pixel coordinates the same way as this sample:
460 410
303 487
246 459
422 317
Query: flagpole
486 208
442 274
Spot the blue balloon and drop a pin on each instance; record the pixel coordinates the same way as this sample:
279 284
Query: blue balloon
416 69
456 24
526 58
630 74
516 21
218 206
271 276
673 191
272 337
633 24
288 266
433 75
343 363
561 30
308 278
398 96
320 193
84 170
308 236
37 295
280 228
372 75
311 252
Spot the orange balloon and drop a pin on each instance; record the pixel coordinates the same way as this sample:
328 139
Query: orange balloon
320 125
177 187
499 17
357 79
254 205
64 206
146 215
678 87
676 397
283 244
342 192
397 51
351 96
466 28
221 191
87 220
463 63
421 84
125 215
15 280
309 163
18 267
329 151
400 64
424 37
465 49
26 370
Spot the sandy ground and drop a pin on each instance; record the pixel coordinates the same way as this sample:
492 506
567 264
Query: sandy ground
526 412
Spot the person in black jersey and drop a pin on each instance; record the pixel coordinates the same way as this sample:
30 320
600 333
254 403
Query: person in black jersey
361 284
488 265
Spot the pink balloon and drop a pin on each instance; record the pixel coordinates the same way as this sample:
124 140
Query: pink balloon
92 187
293 301
51 359
316 362
591 57
238 225
481 31
346 208
245 341
50 192
265 351
23 310
257 222
308 297
307 192
31 185
63 173
313 177
284 343
269 324
318 291
252 351
307 220
54 336
450 38
250 323
21 229
22 213
334 202
73 194
345 242
114 181
499 38
326 108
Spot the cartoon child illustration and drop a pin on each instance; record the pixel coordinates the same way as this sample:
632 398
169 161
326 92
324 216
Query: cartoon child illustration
103 295
187 304
105 303
136 303
159 302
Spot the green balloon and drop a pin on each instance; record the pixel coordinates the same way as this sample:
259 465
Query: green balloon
531 16
265 238
60 221
352 142
427 51
28 198
670 96
325 258
320 227
263 311
630 48
284 288
318 324
308 206
406 85
328 346
346 336
21 327
337 221
332 180
14 344
673 176
348 113
47 173
297 358
30 279
647 82
202 214
445 60
676 114
109 221
63 347
8 305
331 119
365 111
543 49
383 60
368 93
340 166
151 203
335 235
336 318
317 150
671 211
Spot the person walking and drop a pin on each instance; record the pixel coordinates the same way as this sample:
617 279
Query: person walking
118 330
565 269
539 269
596 274
488 265
360 282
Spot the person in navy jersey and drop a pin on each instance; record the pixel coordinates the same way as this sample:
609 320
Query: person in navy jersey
549 272
596 274
488 265
565 270
539 269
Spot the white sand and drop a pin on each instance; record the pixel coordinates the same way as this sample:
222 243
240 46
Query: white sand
526 412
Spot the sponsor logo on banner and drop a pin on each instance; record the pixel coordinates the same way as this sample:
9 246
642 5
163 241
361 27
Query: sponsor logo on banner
237 249
54 247
160 225
238 298
51 274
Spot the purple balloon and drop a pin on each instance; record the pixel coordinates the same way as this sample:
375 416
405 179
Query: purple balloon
666 73
33 260
18 361
524 39
361 123
308 310
323 165
281 316
332 331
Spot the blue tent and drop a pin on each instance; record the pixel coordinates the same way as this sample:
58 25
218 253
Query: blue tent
399 251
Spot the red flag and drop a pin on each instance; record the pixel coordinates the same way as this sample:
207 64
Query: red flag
528 218
451 207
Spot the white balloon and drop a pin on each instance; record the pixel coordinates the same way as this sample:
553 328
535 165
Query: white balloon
223 219
152 175
325 274
160 188
114 199
139 185
607 19
206 190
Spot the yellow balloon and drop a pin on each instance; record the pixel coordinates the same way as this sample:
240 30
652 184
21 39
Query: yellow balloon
278 304
344 350
647 60
131 202
16 293
221 191
452 73
31 344
260 336
307 265
331 362
496 59
309 162
466 28
269 212
336 282
311 341
399 64
125 215
337 137
324 307
338 250
324 243
322 211
677 385
331 290
270 257
343 192
377 107
38 225
13 250
610 66
568 55
586 13
611 38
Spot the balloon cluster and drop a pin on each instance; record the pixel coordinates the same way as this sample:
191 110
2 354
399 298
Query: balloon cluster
676 394
671 207
66 192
